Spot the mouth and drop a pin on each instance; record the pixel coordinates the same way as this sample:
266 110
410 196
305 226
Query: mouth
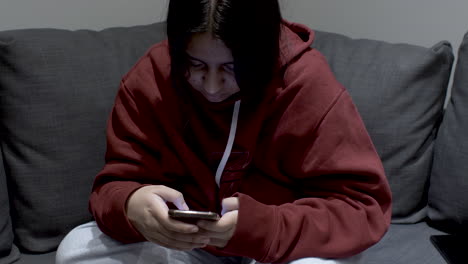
215 98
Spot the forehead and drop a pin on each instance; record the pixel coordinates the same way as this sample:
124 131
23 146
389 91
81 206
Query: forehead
205 47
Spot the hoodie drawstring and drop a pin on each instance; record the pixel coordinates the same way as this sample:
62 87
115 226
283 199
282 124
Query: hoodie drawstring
230 143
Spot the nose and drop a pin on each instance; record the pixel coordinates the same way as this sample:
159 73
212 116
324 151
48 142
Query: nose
213 82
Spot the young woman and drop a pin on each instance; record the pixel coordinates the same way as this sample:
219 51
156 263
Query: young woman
234 114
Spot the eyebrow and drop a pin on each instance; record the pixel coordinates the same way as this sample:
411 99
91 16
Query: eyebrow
199 60
193 58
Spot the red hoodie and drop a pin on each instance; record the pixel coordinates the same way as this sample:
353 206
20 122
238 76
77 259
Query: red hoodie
308 179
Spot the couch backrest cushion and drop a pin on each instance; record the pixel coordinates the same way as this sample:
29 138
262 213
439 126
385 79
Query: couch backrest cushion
8 252
399 90
448 192
57 89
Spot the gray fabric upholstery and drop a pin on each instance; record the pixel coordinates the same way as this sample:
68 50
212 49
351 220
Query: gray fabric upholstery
8 252
45 258
12 257
405 244
57 89
399 90
448 192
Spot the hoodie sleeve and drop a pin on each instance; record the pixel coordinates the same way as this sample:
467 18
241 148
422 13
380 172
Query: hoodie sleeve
344 200
135 153
117 180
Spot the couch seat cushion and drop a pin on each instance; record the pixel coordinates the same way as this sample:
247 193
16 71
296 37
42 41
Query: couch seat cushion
404 244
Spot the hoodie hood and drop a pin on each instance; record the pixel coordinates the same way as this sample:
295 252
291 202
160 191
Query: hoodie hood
295 39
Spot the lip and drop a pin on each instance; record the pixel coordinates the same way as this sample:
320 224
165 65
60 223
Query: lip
215 98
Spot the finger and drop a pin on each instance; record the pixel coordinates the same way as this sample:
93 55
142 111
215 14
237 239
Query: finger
154 227
177 226
173 226
195 239
173 196
159 211
230 204
226 223
190 238
213 235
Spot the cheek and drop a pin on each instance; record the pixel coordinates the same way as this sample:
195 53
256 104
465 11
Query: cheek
231 84
195 80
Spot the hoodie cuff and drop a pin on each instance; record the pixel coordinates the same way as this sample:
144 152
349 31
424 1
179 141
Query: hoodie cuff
133 232
256 227
114 221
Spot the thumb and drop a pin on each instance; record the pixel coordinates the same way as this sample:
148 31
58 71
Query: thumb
173 196
230 204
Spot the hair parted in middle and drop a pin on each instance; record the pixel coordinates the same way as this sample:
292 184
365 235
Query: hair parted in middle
249 28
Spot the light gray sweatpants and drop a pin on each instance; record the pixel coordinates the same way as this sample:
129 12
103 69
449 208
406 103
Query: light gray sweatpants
87 244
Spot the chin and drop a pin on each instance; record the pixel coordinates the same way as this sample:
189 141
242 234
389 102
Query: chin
216 99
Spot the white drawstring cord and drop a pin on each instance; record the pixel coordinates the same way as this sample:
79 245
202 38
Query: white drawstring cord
227 151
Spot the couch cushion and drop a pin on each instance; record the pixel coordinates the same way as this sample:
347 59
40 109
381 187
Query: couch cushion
8 252
57 89
399 90
448 201
44 258
404 244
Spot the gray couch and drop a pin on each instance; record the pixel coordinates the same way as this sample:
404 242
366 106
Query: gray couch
57 88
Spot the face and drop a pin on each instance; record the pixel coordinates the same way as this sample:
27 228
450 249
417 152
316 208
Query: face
211 67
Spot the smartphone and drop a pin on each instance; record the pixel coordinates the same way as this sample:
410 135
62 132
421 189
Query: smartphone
452 248
193 215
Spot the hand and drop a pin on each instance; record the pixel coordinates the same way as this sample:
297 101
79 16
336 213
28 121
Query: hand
148 212
221 231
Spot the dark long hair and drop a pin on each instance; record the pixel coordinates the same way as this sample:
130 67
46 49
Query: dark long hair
249 28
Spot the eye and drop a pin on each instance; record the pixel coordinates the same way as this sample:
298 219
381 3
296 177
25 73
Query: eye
196 64
229 67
